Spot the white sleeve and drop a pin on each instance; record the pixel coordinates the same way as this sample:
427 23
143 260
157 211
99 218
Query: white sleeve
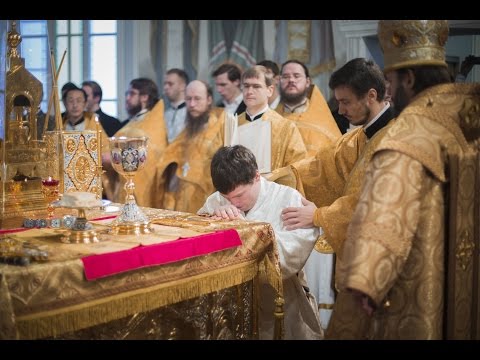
294 246
213 201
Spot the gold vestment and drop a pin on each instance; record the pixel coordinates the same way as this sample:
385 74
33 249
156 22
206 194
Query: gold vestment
287 143
192 157
152 126
395 248
333 178
317 125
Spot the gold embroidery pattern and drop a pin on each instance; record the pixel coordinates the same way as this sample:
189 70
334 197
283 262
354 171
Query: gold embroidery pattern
464 250
322 246
53 299
299 40
81 159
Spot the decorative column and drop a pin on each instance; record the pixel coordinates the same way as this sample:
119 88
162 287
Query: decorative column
355 31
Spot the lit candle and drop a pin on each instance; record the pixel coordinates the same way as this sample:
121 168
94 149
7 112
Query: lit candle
50 181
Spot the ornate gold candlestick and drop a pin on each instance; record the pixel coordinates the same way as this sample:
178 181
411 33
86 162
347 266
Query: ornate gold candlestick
129 155
50 192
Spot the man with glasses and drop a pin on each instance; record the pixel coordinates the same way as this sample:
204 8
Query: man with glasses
272 68
286 141
310 113
140 98
146 119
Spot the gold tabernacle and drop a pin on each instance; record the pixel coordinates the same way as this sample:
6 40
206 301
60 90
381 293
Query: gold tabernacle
23 153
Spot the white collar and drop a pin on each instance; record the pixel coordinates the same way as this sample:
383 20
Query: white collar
260 112
385 108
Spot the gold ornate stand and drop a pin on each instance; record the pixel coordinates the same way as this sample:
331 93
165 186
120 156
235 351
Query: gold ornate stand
132 220
82 231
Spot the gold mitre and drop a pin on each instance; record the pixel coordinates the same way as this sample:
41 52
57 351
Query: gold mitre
407 43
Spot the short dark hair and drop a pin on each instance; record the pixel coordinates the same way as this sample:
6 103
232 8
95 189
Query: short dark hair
270 65
148 87
233 166
294 61
180 73
232 70
67 86
360 75
72 89
96 89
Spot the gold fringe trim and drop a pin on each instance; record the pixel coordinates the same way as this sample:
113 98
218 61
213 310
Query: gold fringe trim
269 271
73 318
323 67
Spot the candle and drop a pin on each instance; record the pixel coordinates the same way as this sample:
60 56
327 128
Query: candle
50 181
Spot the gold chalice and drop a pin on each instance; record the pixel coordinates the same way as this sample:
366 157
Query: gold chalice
50 193
128 156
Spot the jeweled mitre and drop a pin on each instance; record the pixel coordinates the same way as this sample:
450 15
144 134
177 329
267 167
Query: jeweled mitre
407 43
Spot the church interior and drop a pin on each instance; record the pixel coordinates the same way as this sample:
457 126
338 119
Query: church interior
240 179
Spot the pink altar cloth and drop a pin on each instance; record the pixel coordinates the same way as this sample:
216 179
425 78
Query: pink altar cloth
101 265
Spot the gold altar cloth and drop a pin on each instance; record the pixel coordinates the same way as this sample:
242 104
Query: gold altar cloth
51 298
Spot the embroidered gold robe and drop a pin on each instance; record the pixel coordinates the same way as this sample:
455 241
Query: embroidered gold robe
332 180
395 246
193 158
153 126
287 143
317 125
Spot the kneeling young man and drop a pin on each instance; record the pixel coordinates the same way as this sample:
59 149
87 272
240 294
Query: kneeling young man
243 194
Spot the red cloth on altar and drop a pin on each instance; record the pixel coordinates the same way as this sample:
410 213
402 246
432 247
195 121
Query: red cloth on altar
97 266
